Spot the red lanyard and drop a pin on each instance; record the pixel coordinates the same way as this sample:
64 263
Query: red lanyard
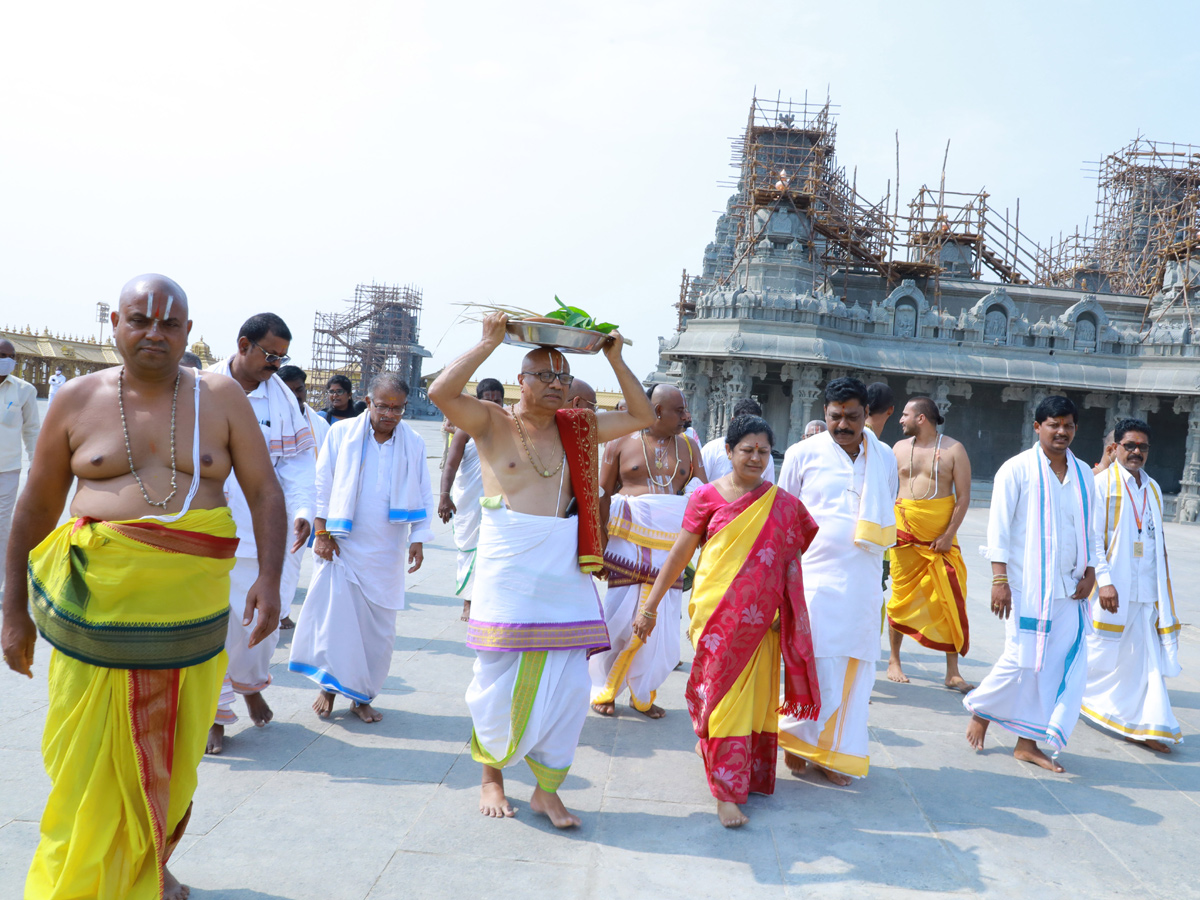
1145 501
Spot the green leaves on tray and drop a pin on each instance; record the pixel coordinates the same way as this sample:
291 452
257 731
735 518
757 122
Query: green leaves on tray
574 317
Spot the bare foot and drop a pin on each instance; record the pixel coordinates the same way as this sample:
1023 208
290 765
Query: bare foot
976 731
1156 746
172 889
1027 751
466 613
286 624
492 802
835 777
366 712
797 765
323 705
551 806
730 815
260 713
654 712
958 683
605 709
216 740
895 673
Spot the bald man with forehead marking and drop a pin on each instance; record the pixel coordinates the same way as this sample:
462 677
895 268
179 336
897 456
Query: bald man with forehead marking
132 593
535 614
643 477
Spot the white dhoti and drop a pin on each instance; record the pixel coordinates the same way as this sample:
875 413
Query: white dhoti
535 618
838 739
641 531
466 492
343 641
1039 705
249 668
1131 698
529 706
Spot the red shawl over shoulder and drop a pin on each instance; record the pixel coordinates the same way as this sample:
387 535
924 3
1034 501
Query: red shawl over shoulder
577 429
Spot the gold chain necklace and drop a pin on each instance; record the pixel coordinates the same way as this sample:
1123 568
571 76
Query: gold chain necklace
659 481
535 459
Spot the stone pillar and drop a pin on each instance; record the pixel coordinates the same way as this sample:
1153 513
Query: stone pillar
694 386
1189 489
803 381
736 387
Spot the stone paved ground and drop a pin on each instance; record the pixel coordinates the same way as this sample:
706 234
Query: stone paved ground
331 810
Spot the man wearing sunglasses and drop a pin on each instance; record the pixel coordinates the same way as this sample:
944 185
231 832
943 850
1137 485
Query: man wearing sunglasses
1134 648
535 614
262 349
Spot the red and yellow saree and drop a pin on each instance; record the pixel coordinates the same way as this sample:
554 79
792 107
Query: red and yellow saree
749 573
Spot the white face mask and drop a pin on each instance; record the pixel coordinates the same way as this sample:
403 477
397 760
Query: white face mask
7 367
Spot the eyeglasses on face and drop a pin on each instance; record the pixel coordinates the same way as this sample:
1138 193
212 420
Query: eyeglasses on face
336 392
390 410
547 377
1131 446
273 358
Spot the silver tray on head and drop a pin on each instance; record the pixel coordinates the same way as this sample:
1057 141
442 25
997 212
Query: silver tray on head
522 333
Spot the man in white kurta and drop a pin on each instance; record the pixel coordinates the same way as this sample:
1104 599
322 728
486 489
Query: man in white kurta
1133 650
847 480
1044 546
374 510
19 425
262 348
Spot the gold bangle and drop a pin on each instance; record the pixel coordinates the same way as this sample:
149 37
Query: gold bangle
649 615
323 533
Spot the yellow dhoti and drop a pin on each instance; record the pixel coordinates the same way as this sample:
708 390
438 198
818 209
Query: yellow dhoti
133 688
929 590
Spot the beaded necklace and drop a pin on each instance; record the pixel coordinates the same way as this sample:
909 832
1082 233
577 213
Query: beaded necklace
129 450
535 459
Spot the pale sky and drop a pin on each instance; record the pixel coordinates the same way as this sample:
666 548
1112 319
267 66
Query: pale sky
271 155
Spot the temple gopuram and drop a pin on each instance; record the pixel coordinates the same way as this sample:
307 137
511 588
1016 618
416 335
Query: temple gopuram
806 280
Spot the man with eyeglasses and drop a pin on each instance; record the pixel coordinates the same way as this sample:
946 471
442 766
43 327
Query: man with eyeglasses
374 507
847 480
1134 648
535 614
262 348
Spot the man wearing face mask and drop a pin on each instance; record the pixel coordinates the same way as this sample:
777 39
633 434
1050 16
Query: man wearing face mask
1134 648
57 380
19 424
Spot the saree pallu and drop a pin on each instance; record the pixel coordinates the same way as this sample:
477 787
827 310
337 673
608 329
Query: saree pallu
124 738
929 589
749 572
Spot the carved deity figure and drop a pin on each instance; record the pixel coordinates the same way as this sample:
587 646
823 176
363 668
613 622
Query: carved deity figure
906 320
995 325
1085 334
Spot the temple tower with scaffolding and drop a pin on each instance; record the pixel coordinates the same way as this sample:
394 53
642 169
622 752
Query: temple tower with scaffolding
806 280
379 332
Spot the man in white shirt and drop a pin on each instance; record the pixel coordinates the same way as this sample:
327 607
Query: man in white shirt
1132 651
716 457
56 381
262 349
1045 547
846 478
297 382
19 424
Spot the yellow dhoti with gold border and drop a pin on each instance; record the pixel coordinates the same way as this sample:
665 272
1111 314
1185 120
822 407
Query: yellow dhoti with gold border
136 612
929 589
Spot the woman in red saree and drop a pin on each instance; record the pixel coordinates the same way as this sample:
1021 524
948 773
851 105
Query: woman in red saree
747 608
